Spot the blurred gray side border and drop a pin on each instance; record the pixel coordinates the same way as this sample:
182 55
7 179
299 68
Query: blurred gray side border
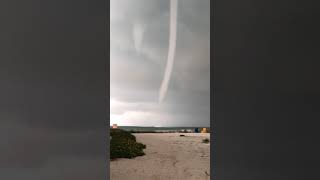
107 55
213 133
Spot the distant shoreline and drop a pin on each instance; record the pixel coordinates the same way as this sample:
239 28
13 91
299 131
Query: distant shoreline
140 129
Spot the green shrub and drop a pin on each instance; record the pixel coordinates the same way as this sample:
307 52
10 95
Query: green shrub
118 133
123 145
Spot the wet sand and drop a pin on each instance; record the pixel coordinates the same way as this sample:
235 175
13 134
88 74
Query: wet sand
168 157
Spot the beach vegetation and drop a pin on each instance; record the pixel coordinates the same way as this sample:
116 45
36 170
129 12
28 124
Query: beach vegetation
123 145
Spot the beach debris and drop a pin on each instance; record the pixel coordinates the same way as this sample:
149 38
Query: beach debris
206 140
181 135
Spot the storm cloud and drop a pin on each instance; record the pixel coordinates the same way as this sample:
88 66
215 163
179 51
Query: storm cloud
136 75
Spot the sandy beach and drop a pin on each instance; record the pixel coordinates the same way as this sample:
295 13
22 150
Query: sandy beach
168 156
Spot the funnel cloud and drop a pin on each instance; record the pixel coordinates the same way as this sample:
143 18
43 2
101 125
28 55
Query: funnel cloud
138 31
172 49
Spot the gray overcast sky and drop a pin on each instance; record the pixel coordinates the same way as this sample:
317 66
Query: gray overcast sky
137 68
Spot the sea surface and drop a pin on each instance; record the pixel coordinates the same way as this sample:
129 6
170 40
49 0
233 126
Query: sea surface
142 128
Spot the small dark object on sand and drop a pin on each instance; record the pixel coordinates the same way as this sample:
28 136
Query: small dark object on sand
206 140
182 135
207 173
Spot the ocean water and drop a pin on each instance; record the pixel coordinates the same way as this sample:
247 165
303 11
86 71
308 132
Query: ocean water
164 129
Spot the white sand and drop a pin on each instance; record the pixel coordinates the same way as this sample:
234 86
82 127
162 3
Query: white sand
168 156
